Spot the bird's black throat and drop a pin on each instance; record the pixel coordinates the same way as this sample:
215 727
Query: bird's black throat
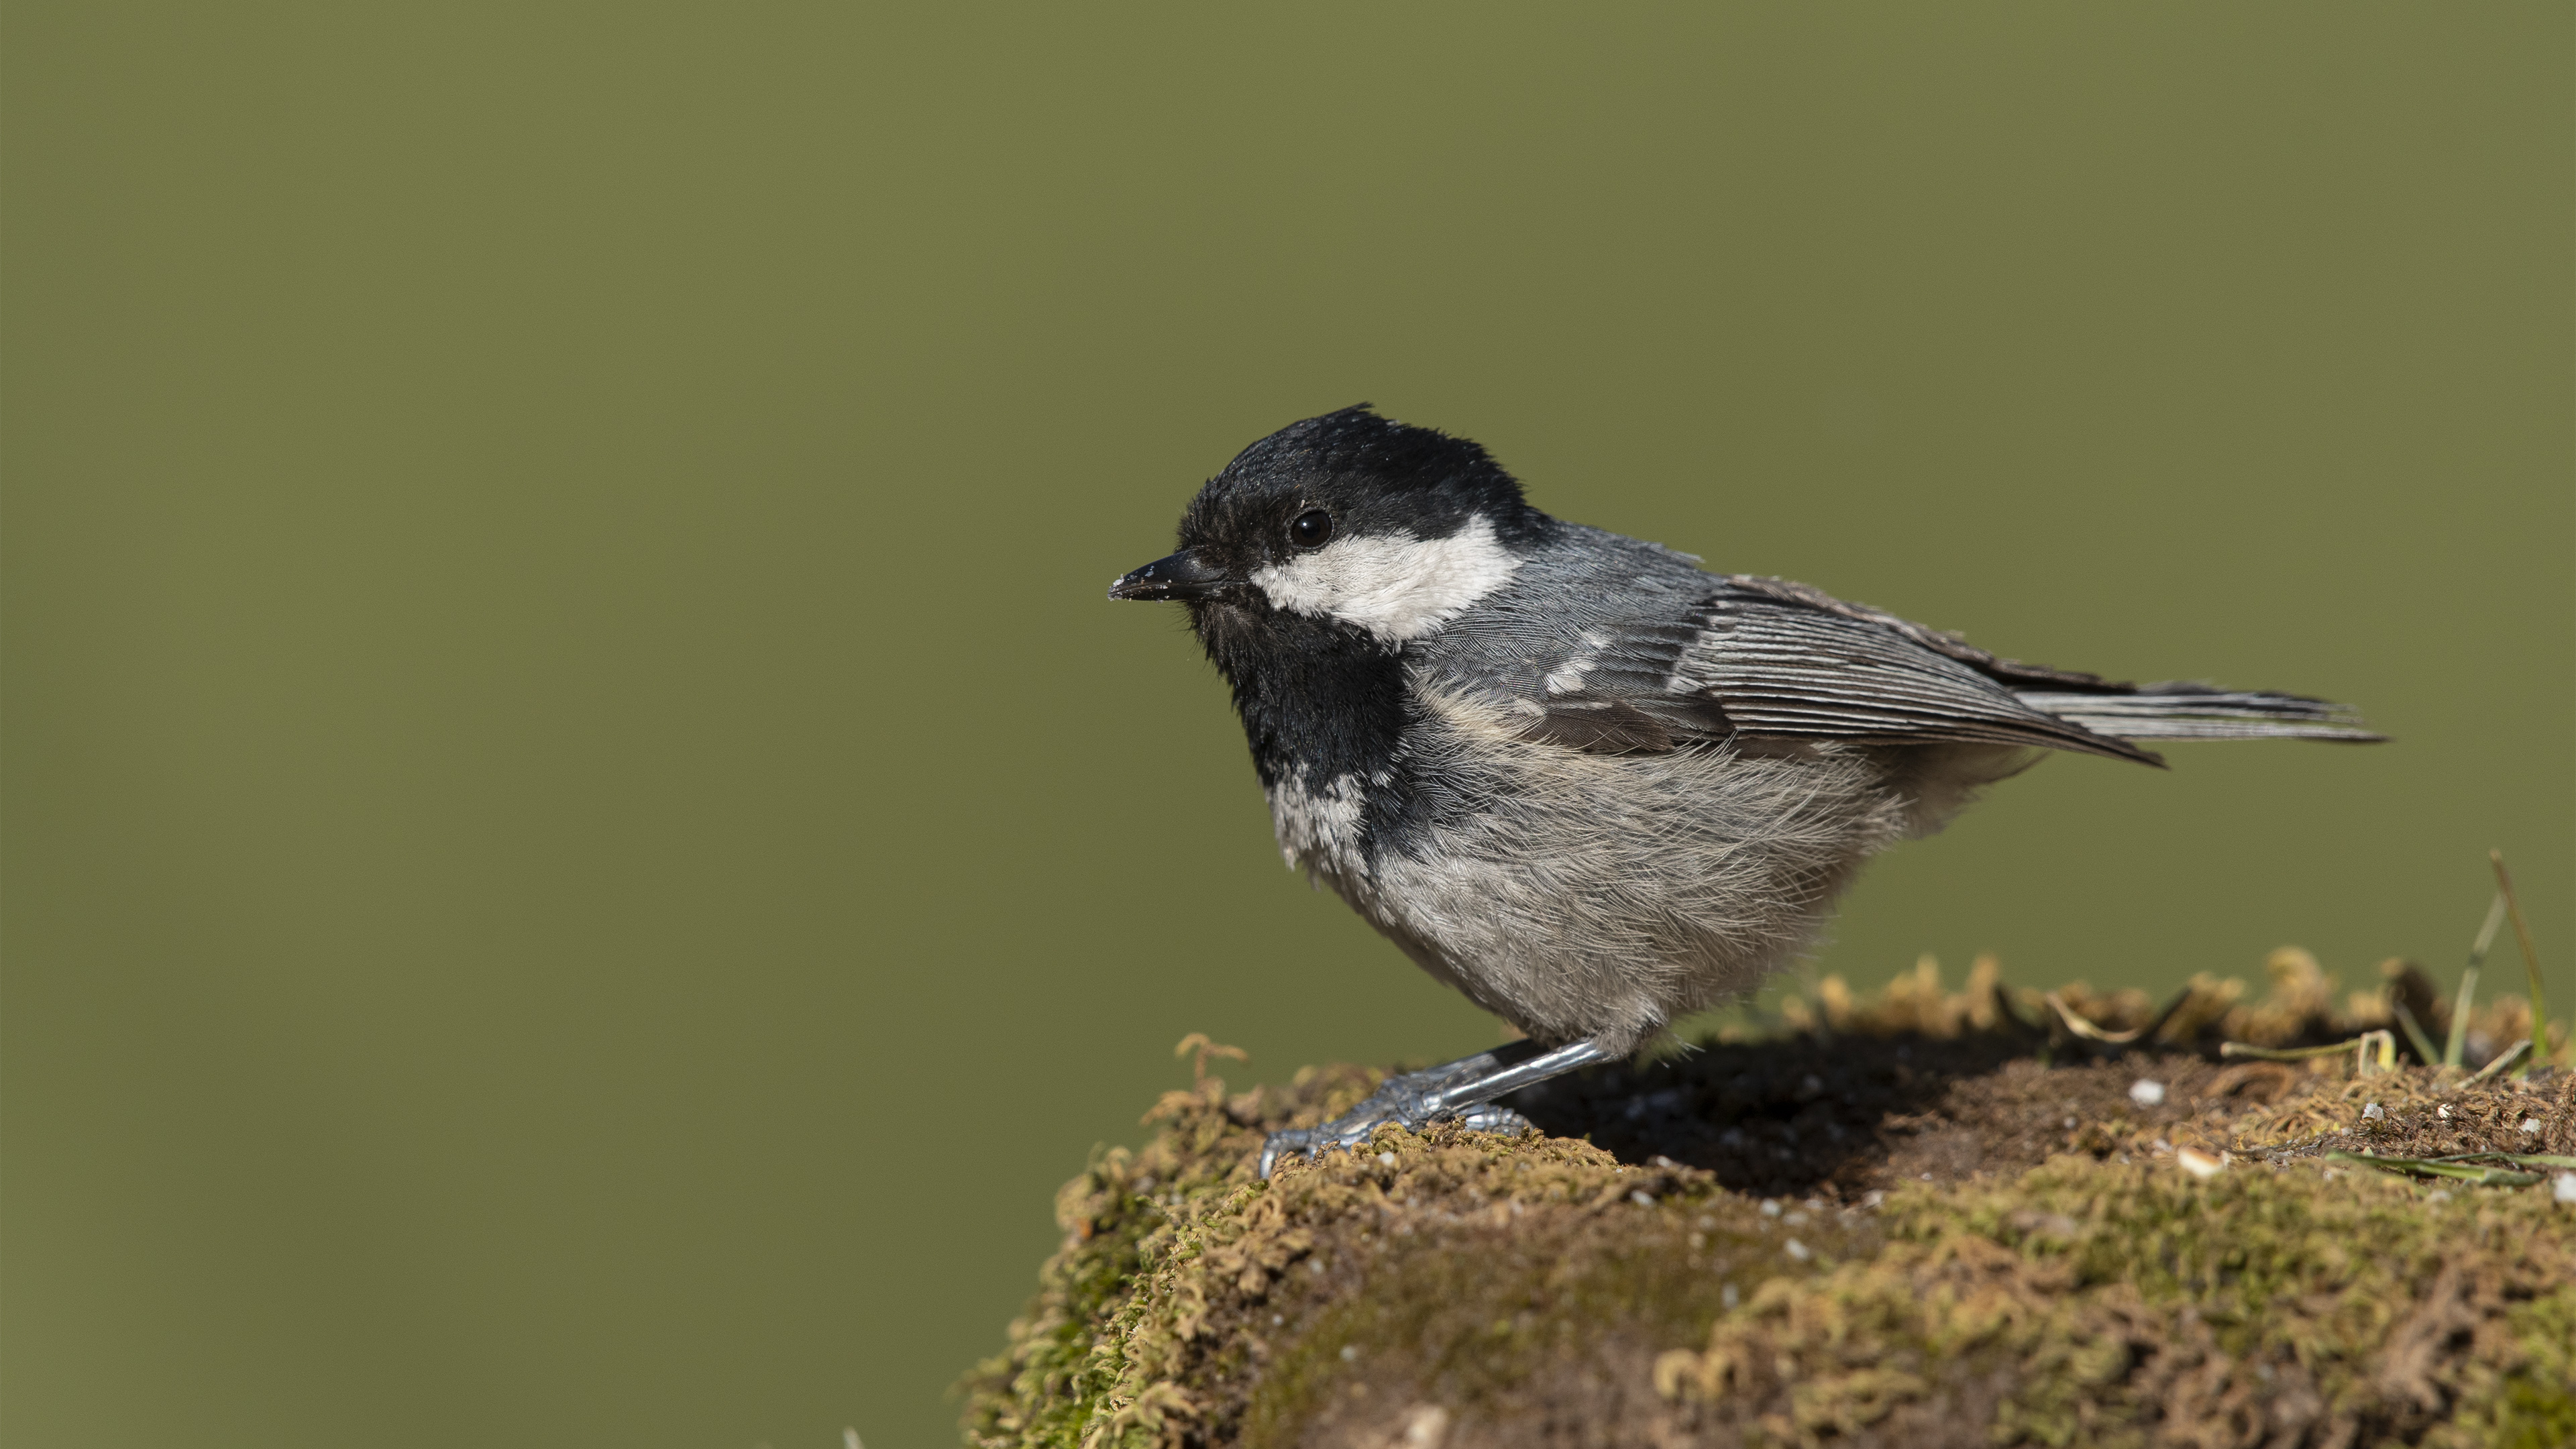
1319 699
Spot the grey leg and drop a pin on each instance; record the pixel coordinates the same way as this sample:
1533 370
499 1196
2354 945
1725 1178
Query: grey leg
1464 1089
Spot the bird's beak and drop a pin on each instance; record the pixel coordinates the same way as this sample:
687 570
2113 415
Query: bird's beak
1182 576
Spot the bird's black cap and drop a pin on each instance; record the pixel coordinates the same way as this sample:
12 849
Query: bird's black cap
1375 473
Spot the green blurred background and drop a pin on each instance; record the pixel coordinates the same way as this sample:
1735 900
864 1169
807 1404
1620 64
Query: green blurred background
583 850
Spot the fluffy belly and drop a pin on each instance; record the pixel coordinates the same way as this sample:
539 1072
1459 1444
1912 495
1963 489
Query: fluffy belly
1592 896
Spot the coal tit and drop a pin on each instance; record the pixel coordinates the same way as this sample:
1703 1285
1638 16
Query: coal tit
1570 773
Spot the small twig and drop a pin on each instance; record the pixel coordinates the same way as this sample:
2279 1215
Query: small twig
2530 962
2457 1046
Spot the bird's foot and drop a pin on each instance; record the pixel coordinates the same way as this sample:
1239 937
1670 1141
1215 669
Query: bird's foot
1462 1091
1400 1103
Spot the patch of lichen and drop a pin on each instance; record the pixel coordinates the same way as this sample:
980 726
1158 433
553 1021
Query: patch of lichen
2137 1304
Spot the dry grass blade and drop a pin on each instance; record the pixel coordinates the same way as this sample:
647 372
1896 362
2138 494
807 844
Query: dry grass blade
2503 1059
2077 1023
2530 962
2433 1167
2364 1061
2361 1058
2457 1047
2416 1036
2518 1159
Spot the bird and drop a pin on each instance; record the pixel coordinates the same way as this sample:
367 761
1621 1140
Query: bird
1574 775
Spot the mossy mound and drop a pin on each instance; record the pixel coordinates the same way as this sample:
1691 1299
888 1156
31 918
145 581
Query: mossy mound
2042 1272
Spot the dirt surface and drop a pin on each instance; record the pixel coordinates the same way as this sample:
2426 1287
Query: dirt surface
1928 1219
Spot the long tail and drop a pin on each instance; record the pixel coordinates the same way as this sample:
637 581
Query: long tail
2182 711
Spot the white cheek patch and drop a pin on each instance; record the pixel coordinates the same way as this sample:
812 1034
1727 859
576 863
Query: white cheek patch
1397 587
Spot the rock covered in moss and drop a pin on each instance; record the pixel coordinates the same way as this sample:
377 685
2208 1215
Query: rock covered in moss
1872 1237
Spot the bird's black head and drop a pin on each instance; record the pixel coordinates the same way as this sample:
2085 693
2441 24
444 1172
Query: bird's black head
1372 528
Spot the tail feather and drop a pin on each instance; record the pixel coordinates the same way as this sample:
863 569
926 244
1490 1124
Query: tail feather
2179 711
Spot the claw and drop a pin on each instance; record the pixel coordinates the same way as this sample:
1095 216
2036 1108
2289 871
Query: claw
1493 1117
1463 1091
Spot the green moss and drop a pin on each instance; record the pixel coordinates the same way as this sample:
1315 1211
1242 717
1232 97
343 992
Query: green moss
1483 1324
2101 1299
1172 1252
2122 1298
2534 1405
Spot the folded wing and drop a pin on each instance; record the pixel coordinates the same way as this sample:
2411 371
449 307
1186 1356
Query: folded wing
1769 659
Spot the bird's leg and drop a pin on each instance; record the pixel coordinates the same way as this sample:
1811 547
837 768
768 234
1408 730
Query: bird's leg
1464 1090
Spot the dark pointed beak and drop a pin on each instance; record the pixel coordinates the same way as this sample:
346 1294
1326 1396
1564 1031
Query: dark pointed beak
1182 576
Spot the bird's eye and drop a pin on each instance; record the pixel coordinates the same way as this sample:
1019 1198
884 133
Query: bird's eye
1311 529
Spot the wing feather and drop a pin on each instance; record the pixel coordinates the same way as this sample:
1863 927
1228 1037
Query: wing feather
1767 659
1785 660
